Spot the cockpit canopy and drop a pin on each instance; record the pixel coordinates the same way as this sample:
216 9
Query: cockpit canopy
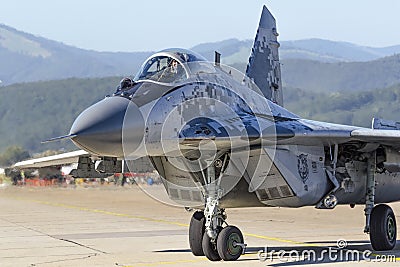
168 66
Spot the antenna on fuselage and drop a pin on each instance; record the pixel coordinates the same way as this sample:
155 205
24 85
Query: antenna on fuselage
217 59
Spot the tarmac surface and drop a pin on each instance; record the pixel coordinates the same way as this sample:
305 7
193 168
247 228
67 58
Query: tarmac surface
114 226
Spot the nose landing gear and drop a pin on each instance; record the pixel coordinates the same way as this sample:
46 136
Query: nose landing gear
207 236
228 244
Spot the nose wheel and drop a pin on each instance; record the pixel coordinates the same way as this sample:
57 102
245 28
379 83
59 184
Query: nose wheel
230 243
210 247
196 232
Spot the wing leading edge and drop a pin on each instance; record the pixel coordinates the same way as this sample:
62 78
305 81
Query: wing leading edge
60 159
297 132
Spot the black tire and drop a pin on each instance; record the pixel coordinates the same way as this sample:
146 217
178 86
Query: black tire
196 232
383 230
226 247
210 249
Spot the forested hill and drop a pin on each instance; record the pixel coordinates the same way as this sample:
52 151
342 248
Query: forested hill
351 108
340 76
343 76
25 57
34 112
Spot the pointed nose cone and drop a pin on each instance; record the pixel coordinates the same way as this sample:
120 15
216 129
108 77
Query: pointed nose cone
98 129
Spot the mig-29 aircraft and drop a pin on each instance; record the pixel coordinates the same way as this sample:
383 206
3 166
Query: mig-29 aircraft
221 139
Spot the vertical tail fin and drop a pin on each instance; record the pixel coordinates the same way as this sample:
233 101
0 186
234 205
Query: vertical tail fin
264 67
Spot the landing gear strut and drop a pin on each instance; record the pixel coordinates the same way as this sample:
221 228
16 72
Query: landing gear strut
207 236
380 222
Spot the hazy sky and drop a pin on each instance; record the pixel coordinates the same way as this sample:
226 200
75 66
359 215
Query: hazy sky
127 25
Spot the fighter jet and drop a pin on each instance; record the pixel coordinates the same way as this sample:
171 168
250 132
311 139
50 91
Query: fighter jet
221 139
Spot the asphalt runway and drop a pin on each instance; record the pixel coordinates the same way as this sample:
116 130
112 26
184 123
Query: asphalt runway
114 226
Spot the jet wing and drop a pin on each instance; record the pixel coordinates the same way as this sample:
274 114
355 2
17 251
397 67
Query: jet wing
386 137
56 160
286 131
334 136
329 133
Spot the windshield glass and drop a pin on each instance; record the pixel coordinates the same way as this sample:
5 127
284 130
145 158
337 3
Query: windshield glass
184 55
162 69
168 66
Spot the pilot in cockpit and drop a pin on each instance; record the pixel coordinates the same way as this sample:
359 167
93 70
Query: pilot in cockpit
172 72
174 66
